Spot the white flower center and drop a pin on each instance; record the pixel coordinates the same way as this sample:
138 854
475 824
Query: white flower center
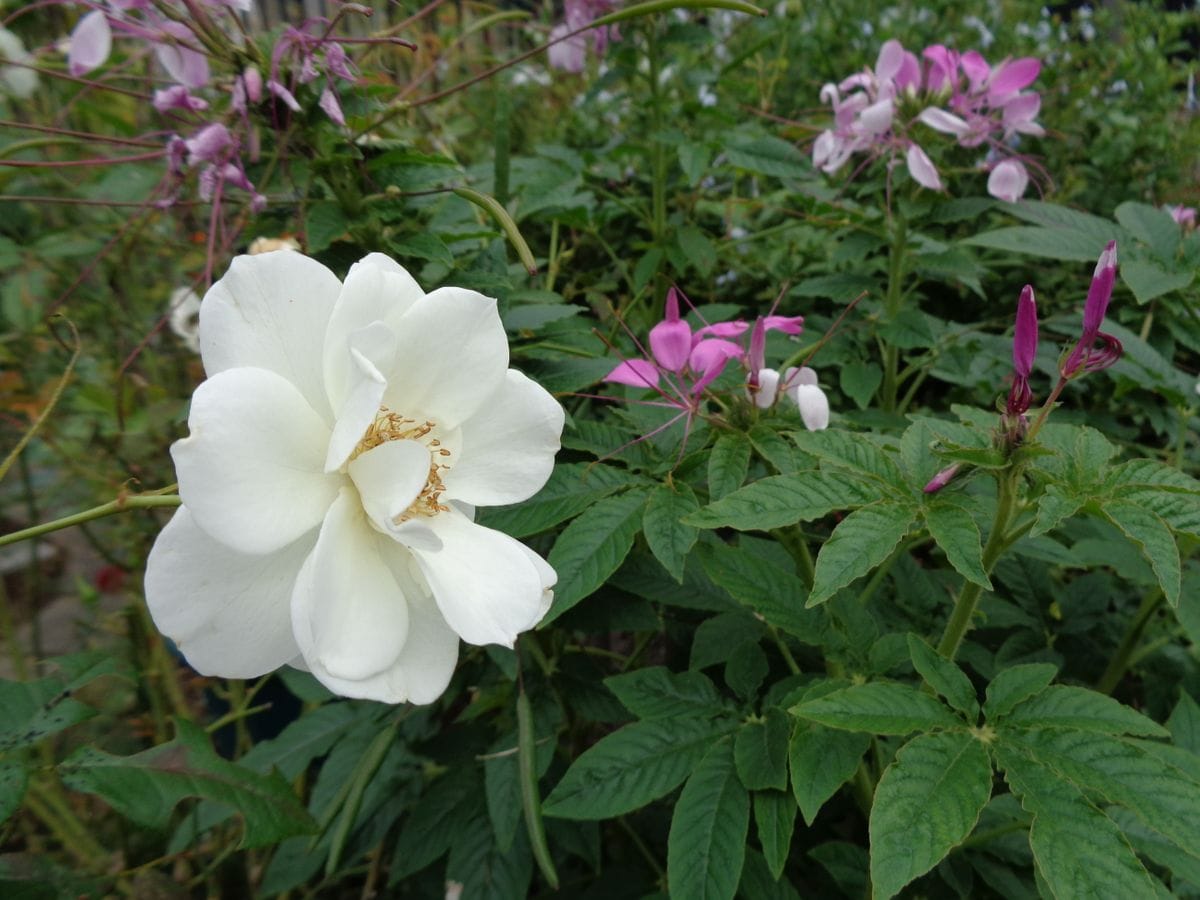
390 426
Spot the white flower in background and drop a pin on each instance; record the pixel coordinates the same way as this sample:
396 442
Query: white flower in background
344 436
183 311
801 386
16 80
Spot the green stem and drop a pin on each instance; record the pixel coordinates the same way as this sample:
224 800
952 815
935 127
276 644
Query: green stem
793 541
47 803
658 227
141 501
1123 657
892 303
964 608
788 659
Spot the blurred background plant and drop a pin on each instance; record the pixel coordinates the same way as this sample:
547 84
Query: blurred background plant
143 145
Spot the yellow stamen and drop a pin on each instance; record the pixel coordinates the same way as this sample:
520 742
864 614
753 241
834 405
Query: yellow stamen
390 426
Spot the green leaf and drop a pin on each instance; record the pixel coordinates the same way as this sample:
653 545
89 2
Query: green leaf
1078 850
697 248
1048 243
423 245
775 819
658 693
572 488
822 760
775 449
668 538
1153 538
769 156
861 541
627 769
945 677
848 450
592 547
745 670
146 786
324 223
955 531
1014 684
484 870
13 782
881 707
1161 796
1055 505
859 381
728 464
693 160
1065 706
1184 724
34 710
927 802
780 500
1150 225
444 810
1148 279
707 844
776 594
847 865
760 750
909 330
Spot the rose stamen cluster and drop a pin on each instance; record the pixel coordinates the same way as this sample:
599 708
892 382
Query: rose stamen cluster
876 112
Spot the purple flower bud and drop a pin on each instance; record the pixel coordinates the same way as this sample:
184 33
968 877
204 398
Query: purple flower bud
254 84
329 103
283 94
1082 357
336 62
942 478
177 97
1025 336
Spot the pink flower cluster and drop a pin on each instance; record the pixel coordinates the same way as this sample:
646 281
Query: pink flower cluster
570 53
876 112
688 361
180 34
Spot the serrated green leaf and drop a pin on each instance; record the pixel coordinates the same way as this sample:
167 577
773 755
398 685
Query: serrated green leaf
1123 773
13 782
324 223
861 541
769 156
1033 240
1014 684
1141 473
441 813
848 450
775 820
484 870
859 381
881 707
1184 724
707 844
1153 846
822 760
1148 279
847 865
34 710
1153 538
592 547
572 488
1056 504
1150 225
146 786
1078 851
745 670
774 593
955 531
1066 706
728 464
944 676
760 750
780 500
630 767
775 449
927 802
423 245
668 538
658 693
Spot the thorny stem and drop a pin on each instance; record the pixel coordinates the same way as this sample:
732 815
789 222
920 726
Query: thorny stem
140 501
964 608
1123 657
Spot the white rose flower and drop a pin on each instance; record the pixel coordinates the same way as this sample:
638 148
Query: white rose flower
344 436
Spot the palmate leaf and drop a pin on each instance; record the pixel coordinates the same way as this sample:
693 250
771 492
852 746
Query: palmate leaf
146 786
760 750
862 540
707 843
1079 852
633 766
855 452
592 547
780 500
927 802
776 594
1014 684
944 676
881 707
1163 797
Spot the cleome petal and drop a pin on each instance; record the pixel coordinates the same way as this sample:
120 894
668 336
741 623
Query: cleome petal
229 613
252 469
